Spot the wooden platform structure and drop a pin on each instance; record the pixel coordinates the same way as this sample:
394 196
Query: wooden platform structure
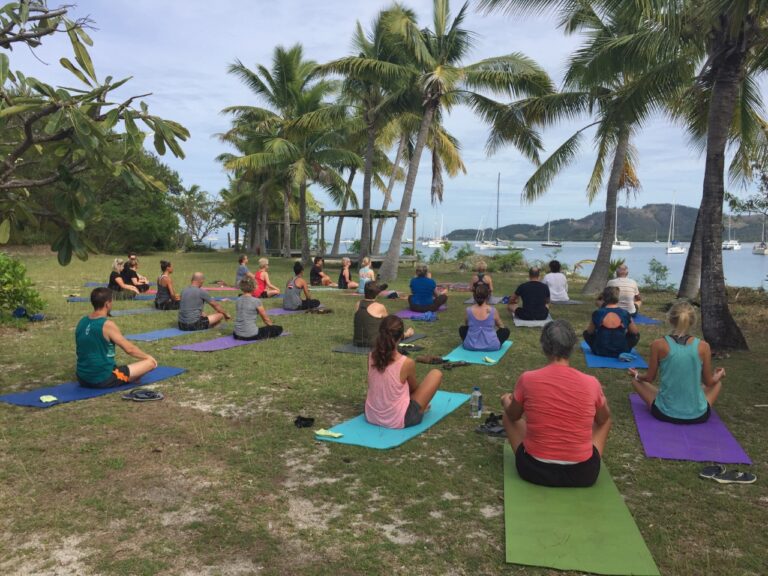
375 215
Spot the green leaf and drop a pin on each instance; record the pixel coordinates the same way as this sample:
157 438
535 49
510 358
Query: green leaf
111 119
24 13
84 36
5 231
4 68
81 55
18 109
159 144
54 122
72 68
65 254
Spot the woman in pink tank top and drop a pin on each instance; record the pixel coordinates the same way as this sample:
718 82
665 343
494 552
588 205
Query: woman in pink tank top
395 398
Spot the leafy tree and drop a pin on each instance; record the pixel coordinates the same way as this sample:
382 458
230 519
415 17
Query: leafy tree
200 213
77 127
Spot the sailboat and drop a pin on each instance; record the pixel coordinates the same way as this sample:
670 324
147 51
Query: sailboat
761 248
619 244
673 246
551 243
437 241
496 244
731 244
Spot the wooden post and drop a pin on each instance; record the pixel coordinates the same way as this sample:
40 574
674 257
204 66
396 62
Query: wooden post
413 234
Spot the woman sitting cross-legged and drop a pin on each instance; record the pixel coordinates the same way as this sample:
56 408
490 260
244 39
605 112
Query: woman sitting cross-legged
562 437
483 328
295 288
120 290
611 332
687 386
166 297
345 278
132 277
481 276
248 309
368 316
365 273
425 296
264 288
395 398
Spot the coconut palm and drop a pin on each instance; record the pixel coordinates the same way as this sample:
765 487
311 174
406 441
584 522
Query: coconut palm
445 81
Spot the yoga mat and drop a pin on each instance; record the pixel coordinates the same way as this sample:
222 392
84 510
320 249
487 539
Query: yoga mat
283 311
103 284
531 323
710 441
358 432
408 314
594 361
493 300
459 354
138 297
640 319
350 348
161 334
72 391
223 343
456 286
134 311
579 529
566 302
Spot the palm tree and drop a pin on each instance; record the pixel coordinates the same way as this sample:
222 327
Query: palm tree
445 81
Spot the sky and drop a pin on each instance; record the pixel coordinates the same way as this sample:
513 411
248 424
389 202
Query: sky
179 50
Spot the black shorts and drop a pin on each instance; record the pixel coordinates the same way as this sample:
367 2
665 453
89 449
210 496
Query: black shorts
168 305
581 475
201 324
659 415
414 415
120 375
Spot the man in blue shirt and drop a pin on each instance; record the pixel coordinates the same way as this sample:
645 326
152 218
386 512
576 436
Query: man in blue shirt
424 294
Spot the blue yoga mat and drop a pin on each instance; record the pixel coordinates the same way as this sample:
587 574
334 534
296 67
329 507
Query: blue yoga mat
594 361
640 319
134 311
161 334
459 354
358 432
72 391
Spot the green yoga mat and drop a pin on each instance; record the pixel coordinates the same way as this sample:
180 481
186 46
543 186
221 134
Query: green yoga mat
583 529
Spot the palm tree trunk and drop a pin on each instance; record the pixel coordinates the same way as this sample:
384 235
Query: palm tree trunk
691 280
337 236
237 235
717 324
365 235
599 276
303 231
263 218
389 267
287 221
388 194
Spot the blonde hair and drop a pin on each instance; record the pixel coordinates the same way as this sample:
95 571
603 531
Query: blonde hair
345 261
366 261
263 262
682 317
117 265
482 266
421 269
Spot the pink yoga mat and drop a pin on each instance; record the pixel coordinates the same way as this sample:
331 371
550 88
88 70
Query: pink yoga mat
707 442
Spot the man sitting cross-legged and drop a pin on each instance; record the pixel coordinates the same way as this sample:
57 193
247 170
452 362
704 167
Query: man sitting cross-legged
561 439
193 299
95 339
535 295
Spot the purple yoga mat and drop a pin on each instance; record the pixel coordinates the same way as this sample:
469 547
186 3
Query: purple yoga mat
283 311
707 442
223 343
406 314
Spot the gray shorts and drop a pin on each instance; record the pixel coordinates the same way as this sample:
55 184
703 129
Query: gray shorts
413 415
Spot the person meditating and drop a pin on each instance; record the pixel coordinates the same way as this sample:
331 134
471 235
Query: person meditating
535 295
366 274
687 386
368 316
557 283
166 297
295 288
629 294
345 279
316 275
483 328
242 269
193 299
248 309
395 397
481 276
611 332
95 339
131 276
121 290
264 288
561 439
425 296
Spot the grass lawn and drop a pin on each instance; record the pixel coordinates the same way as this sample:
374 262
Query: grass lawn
216 479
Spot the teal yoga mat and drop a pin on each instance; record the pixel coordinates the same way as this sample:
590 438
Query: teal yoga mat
358 432
459 354
580 529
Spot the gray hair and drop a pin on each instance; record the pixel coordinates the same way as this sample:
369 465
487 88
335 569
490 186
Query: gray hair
198 277
611 295
421 269
622 271
558 339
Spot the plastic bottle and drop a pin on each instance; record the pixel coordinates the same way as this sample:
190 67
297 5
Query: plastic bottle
476 403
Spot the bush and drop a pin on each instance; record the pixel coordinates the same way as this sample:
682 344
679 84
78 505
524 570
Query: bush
505 262
658 279
16 290
200 248
464 252
409 252
437 256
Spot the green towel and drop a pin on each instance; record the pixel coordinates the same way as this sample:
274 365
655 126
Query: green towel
583 529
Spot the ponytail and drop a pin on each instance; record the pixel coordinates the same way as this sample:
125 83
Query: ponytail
391 331
481 293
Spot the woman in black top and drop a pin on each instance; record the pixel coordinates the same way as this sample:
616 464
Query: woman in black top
132 278
166 298
120 290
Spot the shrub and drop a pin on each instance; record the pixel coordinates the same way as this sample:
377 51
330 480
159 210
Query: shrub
437 256
464 252
409 252
16 290
658 279
505 262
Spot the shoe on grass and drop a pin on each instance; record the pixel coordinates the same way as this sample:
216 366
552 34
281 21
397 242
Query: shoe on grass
735 477
709 472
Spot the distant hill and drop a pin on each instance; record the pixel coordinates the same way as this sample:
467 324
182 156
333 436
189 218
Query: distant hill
644 224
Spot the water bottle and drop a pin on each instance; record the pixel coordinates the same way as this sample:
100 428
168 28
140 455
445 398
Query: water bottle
476 403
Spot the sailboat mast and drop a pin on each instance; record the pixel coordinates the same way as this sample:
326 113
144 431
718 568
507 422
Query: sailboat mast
498 188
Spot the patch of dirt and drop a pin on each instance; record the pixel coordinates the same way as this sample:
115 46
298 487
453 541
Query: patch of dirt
38 558
449 496
234 568
491 511
395 533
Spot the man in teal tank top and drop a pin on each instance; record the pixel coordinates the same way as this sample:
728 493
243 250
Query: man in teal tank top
95 339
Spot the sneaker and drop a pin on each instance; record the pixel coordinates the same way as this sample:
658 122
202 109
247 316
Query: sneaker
735 477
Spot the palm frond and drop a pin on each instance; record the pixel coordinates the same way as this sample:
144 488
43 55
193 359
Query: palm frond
538 184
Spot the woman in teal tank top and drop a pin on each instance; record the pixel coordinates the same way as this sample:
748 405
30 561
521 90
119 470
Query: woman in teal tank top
687 385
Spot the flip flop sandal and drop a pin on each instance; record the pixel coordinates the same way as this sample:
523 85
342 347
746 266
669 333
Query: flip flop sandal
496 431
626 357
319 311
303 422
709 472
429 359
493 420
735 477
410 348
452 365
143 395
